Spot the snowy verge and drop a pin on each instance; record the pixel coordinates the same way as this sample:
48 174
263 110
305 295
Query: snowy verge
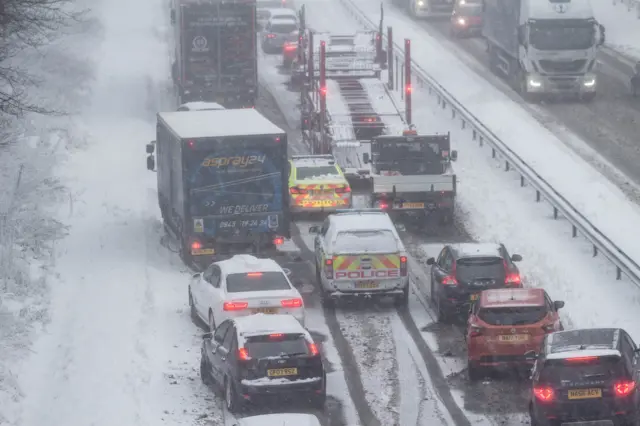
585 190
621 20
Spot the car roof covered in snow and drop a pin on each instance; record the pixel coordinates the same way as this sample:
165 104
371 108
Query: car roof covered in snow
242 263
283 419
201 106
280 11
583 342
512 297
261 324
213 124
476 249
361 221
313 160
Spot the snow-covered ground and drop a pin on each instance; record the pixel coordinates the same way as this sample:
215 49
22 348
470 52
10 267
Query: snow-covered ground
621 19
582 185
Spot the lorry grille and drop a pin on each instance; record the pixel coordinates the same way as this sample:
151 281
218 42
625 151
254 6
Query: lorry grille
563 66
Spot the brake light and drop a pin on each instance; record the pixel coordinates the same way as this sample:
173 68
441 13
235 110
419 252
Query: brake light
370 119
513 280
296 190
290 47
243 354
196 245
276 336
475 331
578 359
624 388
384 206
234 306
291 303
343 190
543 393
271 36
328 268
449 280
403 266
313 349
278 241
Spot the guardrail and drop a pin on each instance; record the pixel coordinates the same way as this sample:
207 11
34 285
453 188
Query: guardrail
601 244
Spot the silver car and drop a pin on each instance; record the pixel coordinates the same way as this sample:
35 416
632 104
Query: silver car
263 16
276 33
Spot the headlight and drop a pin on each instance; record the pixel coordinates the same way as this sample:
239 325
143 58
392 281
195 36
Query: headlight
462 21
534 83
590 83
420 3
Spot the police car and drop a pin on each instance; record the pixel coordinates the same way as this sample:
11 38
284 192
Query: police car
359 252
240 286
316 184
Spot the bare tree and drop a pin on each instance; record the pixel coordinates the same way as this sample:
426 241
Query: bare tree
27 24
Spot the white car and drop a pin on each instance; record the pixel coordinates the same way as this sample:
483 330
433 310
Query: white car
241 286
200 106
284 419
264 15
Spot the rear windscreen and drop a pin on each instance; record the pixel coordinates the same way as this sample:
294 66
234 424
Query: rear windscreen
366 242
257 281
520 315
283 28
303 173
478 268
601 368
276 345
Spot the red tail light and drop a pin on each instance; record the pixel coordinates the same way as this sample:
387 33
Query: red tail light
624 388
328 268
291 303
579 359
278 241
370 119
290 47
449 280
513 280
323 91
234 306
313 349
254 274
243 354
543 393
276 336
296 190
475 331
403 266
271 36
196 245
384 206
343 190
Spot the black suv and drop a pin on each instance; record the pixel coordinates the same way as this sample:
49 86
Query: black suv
262 356
586 375
463 271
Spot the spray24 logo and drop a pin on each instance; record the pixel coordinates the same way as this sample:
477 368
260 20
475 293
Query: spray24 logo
238 161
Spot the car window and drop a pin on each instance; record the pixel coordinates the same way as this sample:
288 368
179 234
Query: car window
215 277
325 227
521 315
276 345
376 241
446 260
283 27
285 17
229 338
257 281
220 332
471 268
603 368
304 173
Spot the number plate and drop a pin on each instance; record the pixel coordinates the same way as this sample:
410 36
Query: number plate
413 205
202 252
265 311
513 338
323 203
585 393
474 297
366 284
279 372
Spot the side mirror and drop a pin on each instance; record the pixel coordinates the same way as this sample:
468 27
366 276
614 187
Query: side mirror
151 163
173 16
530 356
431 261
602 34
516 258
151 146
365 158
196 276
454 155
558 304
314 229
207 336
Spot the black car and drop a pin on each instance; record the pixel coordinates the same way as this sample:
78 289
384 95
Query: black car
262 357
585 376
462 271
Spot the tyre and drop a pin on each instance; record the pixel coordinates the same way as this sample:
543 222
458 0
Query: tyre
443 316
231 399
192 308
204 372
212 322
475 372
402 300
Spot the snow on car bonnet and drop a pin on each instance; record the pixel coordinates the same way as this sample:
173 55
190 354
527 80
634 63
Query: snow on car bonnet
366 241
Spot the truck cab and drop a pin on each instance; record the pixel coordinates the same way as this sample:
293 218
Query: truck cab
412 176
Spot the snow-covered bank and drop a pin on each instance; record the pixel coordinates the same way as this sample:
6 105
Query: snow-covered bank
621 20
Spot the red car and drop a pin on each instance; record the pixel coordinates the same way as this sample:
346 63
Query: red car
466 19
506 323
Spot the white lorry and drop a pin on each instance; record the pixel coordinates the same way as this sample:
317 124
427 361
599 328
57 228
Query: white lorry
427 8
544 47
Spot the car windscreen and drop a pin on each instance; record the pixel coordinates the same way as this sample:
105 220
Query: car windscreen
276 345
600 368
257 281
515 315
478 268
284 17
283 27
304 173
378 241
470 10
263 14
